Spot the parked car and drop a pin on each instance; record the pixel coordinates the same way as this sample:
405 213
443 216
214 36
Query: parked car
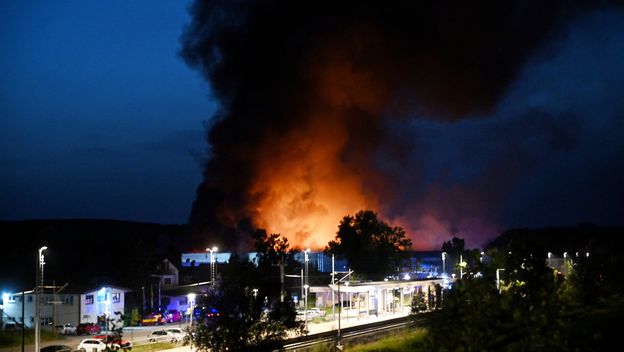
301 316
177 332
92 345
111 339
67 329
207 312
173 316
153 319
56 348
88 329
316 312
162 336
13 326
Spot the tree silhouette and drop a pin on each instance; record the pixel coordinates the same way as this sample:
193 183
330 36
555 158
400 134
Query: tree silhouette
371 246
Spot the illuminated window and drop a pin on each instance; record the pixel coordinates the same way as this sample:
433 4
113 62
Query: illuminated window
89 299
116 297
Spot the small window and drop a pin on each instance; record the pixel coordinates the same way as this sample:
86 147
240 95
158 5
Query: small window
30 298
89 299
167 281
116 297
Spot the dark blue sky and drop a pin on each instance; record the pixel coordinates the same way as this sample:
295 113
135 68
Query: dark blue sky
99 116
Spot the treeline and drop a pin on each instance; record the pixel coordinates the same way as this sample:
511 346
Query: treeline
86 251
530 306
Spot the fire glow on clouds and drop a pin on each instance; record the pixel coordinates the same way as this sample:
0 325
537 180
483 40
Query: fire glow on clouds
442 118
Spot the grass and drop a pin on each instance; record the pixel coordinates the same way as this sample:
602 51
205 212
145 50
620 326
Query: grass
14 338
159 346
410 340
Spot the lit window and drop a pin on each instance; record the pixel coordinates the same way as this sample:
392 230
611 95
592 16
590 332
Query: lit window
116 297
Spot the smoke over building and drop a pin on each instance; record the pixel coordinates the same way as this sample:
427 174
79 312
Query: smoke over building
327 108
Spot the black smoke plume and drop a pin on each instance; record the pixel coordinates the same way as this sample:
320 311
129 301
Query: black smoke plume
314 93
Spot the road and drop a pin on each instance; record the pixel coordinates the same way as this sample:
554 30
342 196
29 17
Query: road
138 335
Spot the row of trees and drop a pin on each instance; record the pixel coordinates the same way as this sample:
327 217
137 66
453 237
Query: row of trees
256 315
537 308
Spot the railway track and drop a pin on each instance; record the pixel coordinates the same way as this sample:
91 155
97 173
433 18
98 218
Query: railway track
305 342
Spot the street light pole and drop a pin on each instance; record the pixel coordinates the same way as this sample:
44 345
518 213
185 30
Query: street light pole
461 266
339 337
191 302
333 276
38 285
306 284
443 262
498 279
213 271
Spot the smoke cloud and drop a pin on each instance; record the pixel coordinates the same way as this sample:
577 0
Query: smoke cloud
327 108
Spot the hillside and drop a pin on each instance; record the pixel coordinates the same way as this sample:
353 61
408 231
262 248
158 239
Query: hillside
85 252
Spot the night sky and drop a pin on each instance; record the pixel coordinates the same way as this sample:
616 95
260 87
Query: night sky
100 118
466 125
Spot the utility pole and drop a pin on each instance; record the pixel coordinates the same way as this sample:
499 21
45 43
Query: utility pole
23 326
54 302
282 265
339 337
333 276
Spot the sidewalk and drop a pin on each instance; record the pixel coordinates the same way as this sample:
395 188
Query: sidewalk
346 322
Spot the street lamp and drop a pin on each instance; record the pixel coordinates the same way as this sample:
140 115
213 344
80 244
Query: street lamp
498 279
191 302
306 283
213 271
38 285
443 262
462 264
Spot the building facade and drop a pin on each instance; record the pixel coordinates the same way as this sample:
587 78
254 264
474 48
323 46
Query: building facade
56 309
98 305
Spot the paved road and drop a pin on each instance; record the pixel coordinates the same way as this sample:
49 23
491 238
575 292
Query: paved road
138 335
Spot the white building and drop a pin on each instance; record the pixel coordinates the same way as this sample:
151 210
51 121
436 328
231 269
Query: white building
377 297
55 309
168 274
98 304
